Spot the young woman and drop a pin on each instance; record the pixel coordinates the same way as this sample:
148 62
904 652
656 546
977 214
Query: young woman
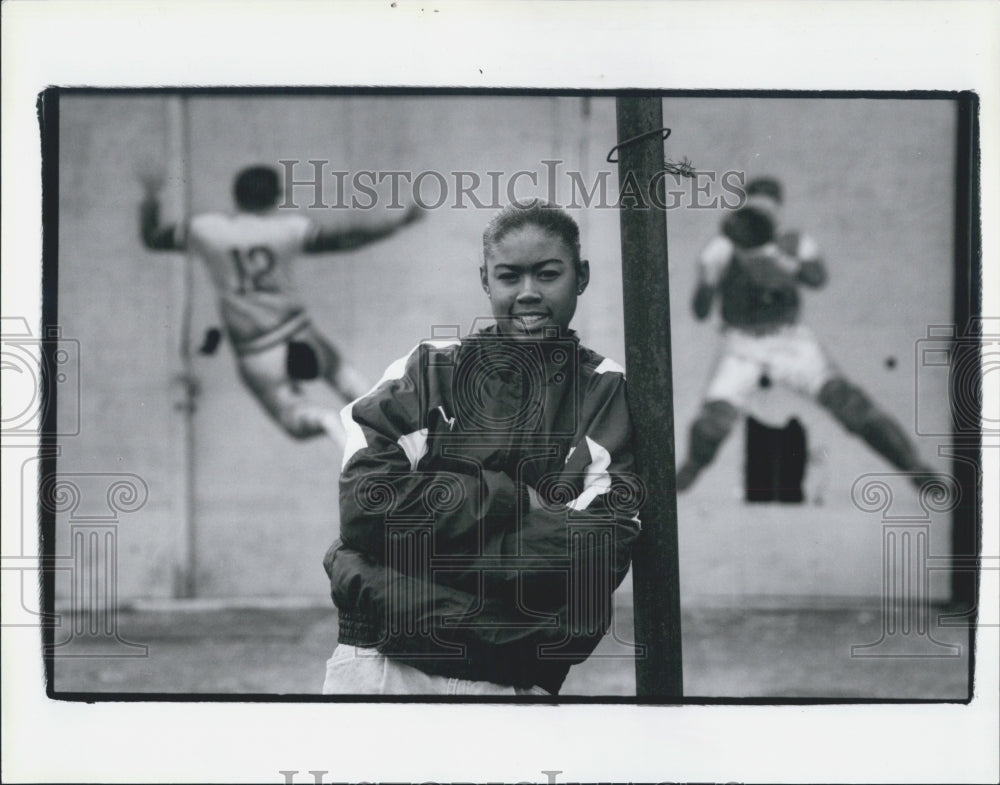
487 500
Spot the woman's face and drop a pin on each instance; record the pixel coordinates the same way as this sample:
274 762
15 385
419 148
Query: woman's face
533 282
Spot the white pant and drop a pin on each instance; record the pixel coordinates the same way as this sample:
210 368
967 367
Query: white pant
356 671
791 356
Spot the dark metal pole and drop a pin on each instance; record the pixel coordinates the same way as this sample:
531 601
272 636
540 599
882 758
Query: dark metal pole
656 574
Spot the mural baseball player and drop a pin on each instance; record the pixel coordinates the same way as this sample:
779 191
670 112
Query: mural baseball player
248 255
756 273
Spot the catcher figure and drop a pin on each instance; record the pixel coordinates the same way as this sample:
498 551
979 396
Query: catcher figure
756 273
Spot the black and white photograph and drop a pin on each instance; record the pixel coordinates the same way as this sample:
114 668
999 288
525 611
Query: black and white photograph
367 402
363 323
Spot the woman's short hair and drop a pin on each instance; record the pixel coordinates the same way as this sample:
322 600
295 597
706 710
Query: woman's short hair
534 213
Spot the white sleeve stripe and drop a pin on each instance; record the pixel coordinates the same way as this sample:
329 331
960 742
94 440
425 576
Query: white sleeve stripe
415 446
609 366
355 440
598 480
355 436
442 343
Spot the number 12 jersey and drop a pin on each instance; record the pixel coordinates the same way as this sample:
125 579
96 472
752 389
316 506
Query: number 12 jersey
248 258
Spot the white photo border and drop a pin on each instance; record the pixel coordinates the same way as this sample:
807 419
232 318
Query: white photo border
563 45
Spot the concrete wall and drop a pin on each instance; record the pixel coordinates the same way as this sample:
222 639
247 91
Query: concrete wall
872 180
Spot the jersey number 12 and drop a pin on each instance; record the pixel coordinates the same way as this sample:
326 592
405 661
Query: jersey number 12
252 267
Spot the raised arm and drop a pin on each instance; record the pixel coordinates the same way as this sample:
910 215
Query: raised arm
329 240
155 236
712 263
811 269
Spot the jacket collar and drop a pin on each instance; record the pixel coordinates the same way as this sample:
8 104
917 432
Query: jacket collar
493 332
500 352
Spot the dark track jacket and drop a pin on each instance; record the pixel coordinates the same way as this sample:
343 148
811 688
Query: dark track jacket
440 562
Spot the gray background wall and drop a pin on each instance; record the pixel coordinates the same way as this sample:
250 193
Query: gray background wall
872 180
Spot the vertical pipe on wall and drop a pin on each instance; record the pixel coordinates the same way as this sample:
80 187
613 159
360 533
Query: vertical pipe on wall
656 578
185 552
